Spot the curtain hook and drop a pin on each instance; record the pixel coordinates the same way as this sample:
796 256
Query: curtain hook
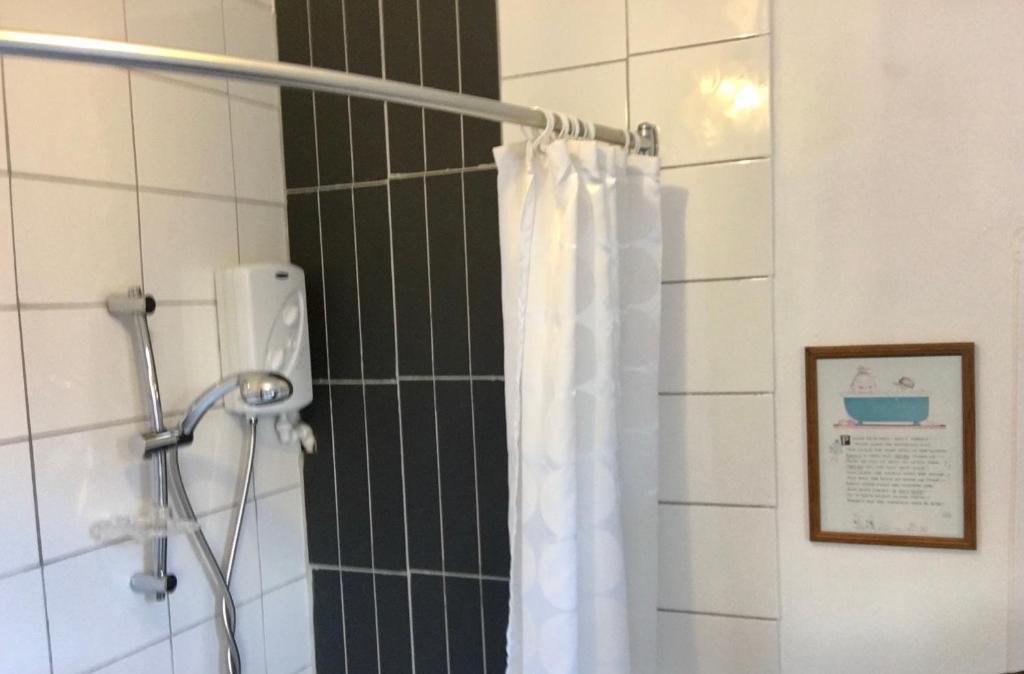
627 140
549 127
591 130
563 125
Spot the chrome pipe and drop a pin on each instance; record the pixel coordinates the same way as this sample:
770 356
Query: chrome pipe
149 57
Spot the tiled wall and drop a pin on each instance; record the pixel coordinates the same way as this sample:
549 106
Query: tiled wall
393 214
112 179
699 69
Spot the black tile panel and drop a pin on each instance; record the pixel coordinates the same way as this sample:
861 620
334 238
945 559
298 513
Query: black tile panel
362 21
495 594
292 31
393 624
492 475
304 247
402 63
465 641
352 479
412 279
328 627
458 483
360 622
483 254
478 43
441 70
385 452
447 274
334 155
318 477
299 132
327 33
340 281
428 624
421 481
376 305
369 155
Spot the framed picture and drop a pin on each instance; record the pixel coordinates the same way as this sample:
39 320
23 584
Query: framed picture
890 444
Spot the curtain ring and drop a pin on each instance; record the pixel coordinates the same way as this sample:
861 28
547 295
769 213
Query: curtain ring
563 125
591 130
627 141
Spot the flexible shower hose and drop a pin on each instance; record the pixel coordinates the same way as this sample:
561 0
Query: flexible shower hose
221 578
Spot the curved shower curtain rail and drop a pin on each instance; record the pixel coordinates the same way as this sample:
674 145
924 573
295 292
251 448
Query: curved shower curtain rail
112 52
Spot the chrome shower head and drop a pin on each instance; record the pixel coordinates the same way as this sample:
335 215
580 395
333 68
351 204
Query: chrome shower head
256 389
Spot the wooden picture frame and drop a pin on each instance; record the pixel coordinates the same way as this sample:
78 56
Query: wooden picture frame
899 469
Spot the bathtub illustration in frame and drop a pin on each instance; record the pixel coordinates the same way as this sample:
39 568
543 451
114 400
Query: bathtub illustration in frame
890 444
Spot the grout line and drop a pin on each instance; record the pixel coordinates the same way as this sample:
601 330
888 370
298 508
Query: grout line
717 615
695 45
715 393
707 504
457 574
359 322
24 370
562 69
327 341
408 377
14 440
231 139
716 279
775 419
405 574
433 368
139 187
135 651
477 168
394 319
715 162
407 175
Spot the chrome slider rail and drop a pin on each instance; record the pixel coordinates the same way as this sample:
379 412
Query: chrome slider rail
126 54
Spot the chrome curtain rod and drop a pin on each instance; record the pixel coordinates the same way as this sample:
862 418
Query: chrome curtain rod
126 54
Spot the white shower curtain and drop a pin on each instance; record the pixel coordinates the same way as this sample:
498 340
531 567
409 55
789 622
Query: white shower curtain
581 270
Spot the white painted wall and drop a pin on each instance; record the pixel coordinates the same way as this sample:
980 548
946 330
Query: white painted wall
110 179
899 187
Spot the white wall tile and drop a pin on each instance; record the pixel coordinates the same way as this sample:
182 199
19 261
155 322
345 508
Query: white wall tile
75 243
80 368
663 24
259 161
186 350
212 466
250 30
8 290
199 650
717 221
194 601
595 93
717 449
23 625
716 336
185 24
13 423
20 547
86 115
286 624
262 233
541 35
182 136
277 465
282 519
153 660
83 478
718 560
94 616
710 103
85 18
701 644
184 241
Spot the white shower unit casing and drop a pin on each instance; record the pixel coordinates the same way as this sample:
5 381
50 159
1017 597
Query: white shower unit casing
262 318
